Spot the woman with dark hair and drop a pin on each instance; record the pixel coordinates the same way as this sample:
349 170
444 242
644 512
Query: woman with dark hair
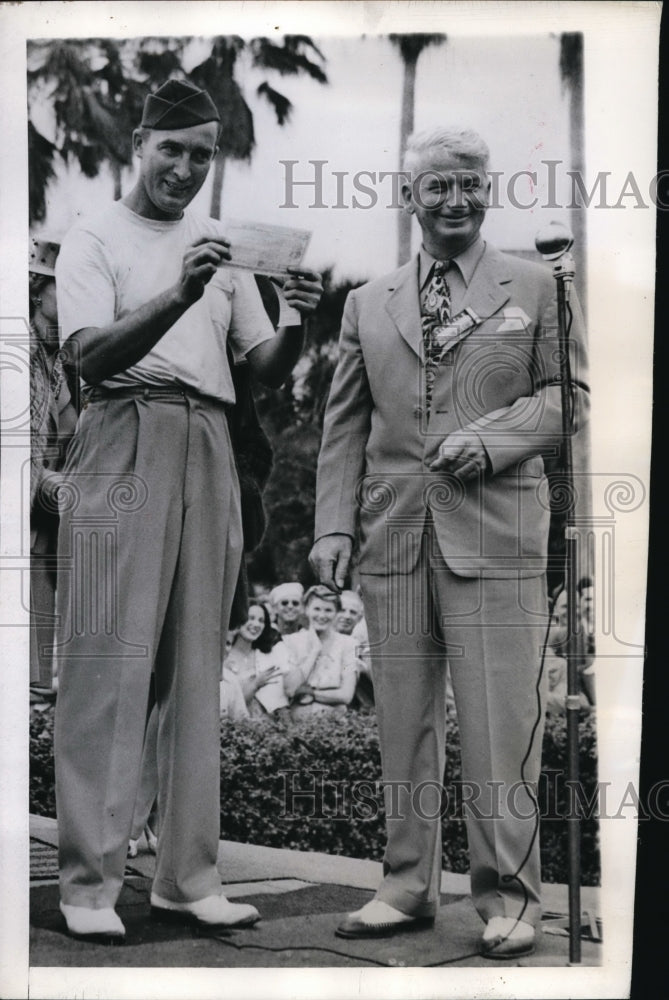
258 665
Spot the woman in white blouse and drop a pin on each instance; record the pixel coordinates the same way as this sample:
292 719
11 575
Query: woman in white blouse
322 675
257 666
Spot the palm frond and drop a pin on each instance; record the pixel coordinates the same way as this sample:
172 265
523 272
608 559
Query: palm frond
287 59
411 45
282 106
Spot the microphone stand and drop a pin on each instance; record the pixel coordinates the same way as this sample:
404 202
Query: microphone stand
554 243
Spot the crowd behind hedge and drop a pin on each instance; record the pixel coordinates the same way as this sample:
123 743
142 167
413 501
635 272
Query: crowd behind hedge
315 789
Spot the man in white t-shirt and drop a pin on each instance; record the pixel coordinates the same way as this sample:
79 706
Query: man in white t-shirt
150 542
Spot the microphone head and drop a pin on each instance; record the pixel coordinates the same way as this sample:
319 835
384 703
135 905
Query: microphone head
553 240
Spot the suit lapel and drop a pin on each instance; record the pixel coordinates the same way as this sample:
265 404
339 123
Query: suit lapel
403 305
488 290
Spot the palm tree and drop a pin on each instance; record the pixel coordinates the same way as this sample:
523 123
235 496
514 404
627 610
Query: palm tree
410 47
216 74
90 107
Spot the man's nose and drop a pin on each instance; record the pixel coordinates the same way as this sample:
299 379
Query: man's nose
454 197
182 167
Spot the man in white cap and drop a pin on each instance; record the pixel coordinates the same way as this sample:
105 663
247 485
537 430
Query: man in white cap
287 604
152 540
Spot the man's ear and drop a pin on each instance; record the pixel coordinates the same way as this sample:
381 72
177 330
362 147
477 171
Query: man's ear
407 198
138 142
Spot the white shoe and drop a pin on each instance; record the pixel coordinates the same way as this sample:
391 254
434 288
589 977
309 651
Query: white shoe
103 926
507 937
379 919
213 911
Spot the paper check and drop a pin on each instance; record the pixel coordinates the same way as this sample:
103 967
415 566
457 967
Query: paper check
265 249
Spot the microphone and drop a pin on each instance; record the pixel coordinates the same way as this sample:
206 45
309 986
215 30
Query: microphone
554 240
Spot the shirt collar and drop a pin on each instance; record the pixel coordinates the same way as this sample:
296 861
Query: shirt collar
465 262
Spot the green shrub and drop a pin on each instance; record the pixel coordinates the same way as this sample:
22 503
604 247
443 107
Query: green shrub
313 787
42 792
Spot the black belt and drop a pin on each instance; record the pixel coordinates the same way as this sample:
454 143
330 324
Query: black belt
172 393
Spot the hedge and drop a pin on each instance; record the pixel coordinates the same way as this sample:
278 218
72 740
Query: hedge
313 787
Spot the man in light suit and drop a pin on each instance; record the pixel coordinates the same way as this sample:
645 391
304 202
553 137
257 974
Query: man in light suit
445 397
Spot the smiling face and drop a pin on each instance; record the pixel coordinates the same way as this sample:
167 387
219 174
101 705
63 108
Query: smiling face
288 610
320 614
350 613
174 166
254 625
448 195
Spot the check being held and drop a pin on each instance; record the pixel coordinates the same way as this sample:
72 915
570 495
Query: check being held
265 249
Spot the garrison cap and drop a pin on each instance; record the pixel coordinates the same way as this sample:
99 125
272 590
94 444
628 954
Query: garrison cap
178 105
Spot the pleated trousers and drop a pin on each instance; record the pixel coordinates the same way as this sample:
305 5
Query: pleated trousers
149 551
491 632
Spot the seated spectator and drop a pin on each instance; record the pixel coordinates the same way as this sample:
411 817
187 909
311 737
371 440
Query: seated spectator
350 621
286 600
258 666
350 612
555 664
232 704
322 675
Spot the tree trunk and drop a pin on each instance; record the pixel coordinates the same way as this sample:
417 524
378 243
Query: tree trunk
406 128
217 185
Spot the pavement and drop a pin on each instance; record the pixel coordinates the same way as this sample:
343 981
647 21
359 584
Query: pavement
301 897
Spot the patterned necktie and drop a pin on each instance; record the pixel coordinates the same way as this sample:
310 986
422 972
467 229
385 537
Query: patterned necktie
435 315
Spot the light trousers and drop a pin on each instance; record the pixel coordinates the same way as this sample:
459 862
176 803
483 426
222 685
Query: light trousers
149 551
491 632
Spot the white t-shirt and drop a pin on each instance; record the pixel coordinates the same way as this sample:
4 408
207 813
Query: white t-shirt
115 262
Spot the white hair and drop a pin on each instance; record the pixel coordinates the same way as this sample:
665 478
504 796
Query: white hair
457 141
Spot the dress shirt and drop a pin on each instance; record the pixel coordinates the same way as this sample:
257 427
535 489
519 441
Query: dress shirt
458 276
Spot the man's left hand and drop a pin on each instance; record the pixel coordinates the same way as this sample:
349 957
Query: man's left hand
462 453
303 291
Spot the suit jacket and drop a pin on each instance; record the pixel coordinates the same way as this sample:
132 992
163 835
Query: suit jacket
501 381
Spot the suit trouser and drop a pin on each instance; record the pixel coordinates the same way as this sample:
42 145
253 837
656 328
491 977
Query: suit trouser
492 632
149 554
